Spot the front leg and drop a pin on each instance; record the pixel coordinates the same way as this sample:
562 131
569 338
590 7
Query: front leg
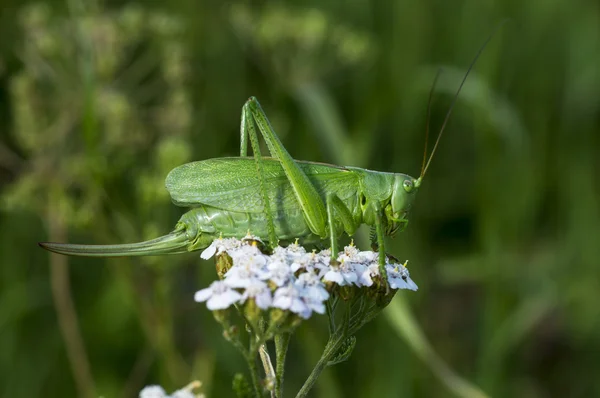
381 244
247 130
308 198
335 206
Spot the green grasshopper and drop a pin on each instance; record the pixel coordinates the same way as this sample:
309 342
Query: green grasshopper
277 197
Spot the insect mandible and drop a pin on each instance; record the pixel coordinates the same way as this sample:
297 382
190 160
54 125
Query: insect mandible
277 197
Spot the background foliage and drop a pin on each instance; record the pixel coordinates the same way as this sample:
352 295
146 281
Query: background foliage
98 101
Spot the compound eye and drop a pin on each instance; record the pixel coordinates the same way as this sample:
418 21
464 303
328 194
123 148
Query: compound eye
408 185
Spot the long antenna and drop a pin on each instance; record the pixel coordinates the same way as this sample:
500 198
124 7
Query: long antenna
429 101
456 95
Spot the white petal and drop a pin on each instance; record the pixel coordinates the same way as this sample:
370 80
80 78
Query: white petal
223 300
334 276
262 274
397 283
305 314
203 295
317 307
246 251
299 307
280 273
283 302
238 277
235 281
363 275
263 300
152 392
374 269
350 277
209 251
411 285
296 266
368 257
315 293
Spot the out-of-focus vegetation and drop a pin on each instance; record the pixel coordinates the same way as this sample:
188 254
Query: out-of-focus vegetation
98 101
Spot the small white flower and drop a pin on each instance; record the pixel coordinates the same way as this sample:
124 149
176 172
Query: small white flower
374 269
324 257
311 286
305 262
260 292
240 277
342 274
294 255
288 298
367 257
399 277
153 392
247 269
315 305
219 296
350 251
312 291
295 249
245 251
334 275
320 262
219 246
280 272
279 253
363 275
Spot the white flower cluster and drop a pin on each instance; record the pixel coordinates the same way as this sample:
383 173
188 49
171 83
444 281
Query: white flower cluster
291 278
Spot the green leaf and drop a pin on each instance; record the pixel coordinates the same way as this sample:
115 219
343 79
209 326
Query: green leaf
344 352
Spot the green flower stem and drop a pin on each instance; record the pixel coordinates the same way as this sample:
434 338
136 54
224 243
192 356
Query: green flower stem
350 325
333 345
248 354
282 342
250 359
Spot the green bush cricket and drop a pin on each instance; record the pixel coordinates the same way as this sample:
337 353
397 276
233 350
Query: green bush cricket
277 197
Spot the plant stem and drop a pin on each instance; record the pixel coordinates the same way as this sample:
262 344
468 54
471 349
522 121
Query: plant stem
282 342
330 349
250 359
348 327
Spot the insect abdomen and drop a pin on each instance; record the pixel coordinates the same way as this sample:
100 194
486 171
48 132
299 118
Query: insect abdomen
205 223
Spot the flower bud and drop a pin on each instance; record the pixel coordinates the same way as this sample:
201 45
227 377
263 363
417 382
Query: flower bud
252 313
277 317
222 316
223 264
231 333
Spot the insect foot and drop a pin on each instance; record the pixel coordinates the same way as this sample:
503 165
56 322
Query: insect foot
271 294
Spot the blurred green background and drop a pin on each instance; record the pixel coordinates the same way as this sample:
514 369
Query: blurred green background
98 101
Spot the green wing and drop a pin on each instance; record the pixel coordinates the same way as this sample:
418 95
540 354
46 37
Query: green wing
232 184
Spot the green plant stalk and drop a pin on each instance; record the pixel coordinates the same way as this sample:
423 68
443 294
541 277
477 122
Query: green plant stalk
333 345
347 328
282 342
250 360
